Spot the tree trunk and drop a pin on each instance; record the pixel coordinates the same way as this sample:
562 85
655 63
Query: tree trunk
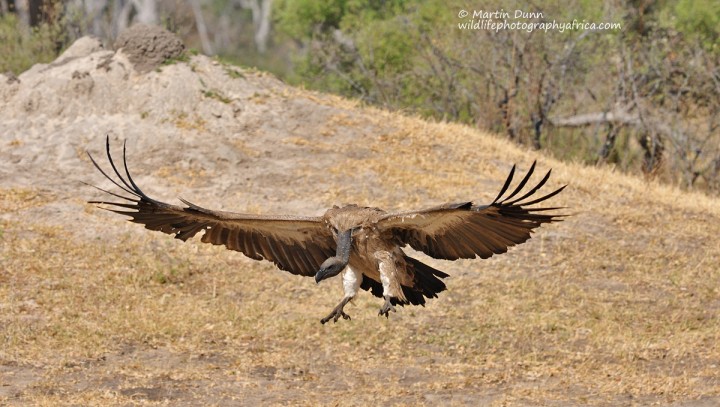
654 148
262 26
6 6
201 27
609 143
35 10
146 11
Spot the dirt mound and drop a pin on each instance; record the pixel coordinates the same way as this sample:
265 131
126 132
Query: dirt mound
148 46
218 130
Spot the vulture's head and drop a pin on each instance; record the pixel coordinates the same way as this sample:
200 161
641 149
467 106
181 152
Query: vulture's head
330 268
334 265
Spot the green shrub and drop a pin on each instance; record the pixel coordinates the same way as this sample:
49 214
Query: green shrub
21 47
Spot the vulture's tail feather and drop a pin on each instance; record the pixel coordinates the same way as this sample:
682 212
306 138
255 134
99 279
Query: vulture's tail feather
428 282
373 286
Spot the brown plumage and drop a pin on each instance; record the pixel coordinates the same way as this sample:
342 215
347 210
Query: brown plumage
365 243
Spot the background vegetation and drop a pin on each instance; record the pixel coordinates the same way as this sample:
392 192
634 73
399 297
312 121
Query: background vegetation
644 98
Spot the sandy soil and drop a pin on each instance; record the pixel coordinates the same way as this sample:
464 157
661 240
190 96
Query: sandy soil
616 306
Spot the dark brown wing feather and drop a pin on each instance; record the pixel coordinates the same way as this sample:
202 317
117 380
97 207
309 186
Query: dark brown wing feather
465 230
295 244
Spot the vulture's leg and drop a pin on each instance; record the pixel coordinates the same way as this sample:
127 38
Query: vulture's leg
389 278
351 282
387 307
338 312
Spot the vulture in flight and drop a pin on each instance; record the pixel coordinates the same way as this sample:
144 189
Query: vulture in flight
364 244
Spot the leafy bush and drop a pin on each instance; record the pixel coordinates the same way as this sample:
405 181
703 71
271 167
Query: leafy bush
21 47
644 97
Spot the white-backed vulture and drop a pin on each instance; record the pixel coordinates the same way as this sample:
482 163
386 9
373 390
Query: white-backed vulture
365 244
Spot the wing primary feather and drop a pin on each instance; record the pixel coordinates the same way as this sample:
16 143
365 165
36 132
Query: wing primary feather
126 213
207 234
190 232
296 255
274 252
112 164
307 260
251 249
318 256
291 257
467 240
255 244
479 246
122 205
224 236
507 183
523 182
500 235
529 193
108 177
542 198
107 192
137 188
191 205
547 209
232 242
244 239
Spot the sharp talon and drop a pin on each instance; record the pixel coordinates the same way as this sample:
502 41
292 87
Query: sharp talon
341 314
386 308
337 312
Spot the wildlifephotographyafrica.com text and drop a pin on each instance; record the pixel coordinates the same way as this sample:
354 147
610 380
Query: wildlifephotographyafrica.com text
521 20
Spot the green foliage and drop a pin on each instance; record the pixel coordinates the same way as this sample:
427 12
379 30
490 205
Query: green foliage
306 18
217 95
388 45
233 72
21 47
412 55
700 19
184 57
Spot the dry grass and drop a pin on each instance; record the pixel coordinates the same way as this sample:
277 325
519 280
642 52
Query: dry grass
616 306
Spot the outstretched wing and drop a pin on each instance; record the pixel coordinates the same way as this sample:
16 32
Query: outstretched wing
295 244
465 230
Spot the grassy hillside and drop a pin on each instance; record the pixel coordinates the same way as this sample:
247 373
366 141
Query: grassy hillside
618 305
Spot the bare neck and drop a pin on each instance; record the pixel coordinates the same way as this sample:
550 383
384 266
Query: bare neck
344 241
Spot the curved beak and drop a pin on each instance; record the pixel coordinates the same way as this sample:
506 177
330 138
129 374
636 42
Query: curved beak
334 265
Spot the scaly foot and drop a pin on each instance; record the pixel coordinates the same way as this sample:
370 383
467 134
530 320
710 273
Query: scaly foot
337 312
387 307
